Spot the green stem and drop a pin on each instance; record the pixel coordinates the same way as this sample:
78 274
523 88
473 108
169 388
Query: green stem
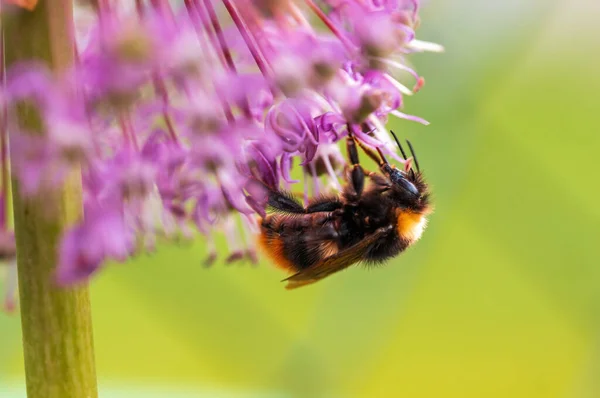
56 322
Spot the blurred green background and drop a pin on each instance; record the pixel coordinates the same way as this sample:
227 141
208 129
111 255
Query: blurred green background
501 298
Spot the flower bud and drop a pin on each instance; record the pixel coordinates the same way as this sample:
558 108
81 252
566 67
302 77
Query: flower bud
134 46
368 103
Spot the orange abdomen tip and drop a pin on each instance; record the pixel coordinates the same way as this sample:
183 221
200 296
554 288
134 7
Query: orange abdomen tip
272 247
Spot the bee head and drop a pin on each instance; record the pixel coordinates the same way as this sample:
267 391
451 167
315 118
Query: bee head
408 187
401 182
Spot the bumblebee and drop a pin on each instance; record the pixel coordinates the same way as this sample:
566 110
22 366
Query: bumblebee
374 218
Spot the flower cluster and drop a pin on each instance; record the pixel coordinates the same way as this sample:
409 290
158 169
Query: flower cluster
173 113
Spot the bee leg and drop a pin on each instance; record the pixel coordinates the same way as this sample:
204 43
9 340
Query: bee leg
383 184
325 205
284 202
376 157
357 174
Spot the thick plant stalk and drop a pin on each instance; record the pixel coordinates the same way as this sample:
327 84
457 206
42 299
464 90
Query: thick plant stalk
57 328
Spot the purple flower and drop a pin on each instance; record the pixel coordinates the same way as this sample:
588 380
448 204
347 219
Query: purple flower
178 118
102 236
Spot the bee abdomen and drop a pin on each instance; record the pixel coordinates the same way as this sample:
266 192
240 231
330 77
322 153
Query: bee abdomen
294 244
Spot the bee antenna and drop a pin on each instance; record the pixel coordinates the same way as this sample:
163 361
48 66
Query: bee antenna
399 146
414 156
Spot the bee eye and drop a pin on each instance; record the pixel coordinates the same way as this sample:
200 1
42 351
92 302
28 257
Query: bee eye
399 178
410 187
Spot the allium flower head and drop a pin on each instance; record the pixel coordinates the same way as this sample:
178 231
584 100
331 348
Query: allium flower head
178 118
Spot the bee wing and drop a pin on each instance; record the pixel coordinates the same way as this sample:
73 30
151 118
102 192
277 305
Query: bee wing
332 264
